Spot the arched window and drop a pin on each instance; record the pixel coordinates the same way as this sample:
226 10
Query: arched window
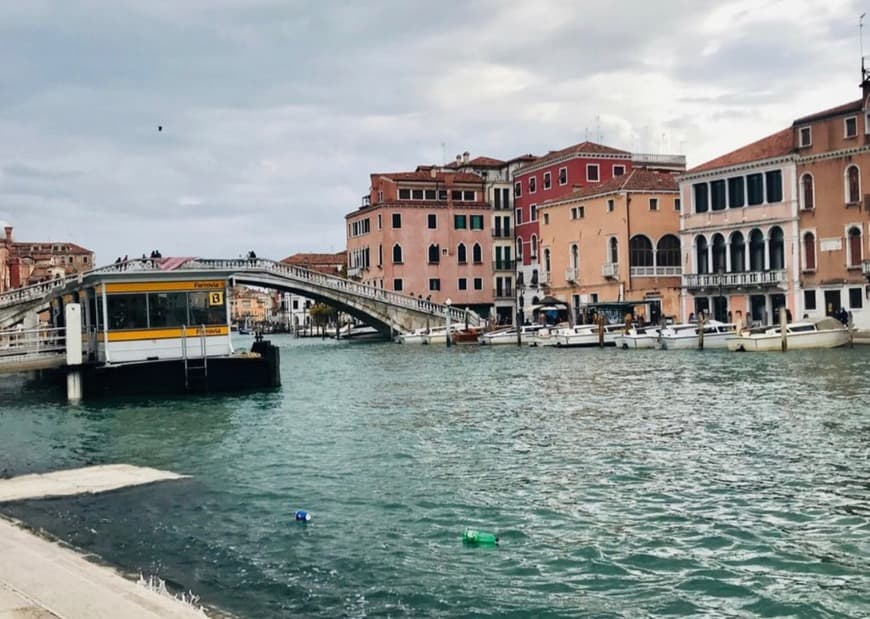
854 246
668 251
810 251
519 248
461 254
640 251
738 252
614 250
476 254
434 253
701 254
756 250
397 254
718 253
546 260
807 192
777 249
853 185
534 247
575 256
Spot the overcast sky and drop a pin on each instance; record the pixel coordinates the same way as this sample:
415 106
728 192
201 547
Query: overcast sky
274 112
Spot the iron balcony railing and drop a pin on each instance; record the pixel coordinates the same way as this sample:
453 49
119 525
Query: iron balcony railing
502 233
610 270
572 275
735 280
656 271
505 265
504 293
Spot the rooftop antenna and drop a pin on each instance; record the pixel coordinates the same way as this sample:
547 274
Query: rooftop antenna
861 42
444 153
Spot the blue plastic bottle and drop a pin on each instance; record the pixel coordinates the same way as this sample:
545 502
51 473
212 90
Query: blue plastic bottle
303 516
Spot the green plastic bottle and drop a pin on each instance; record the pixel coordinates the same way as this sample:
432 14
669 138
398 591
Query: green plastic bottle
483 538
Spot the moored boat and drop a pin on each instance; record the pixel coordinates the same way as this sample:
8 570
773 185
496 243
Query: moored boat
686 336
639 338
508 335
588 336
802 335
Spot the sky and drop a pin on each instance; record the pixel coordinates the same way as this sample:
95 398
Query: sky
275 112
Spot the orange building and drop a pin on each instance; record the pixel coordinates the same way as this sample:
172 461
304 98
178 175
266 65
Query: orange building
617 241
425 233
31 262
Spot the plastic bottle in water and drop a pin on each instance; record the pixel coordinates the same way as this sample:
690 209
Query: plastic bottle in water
473 536
303 516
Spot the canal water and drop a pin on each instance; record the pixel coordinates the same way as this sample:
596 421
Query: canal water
620 483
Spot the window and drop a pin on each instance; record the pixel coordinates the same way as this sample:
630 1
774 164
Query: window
518 189
433 221
546 219
202 312
417 194
809 251
677 205
456 195
700 190
459 222
397 254
640 252
380 222
668 251
805 137
404 194
128 311
856 299
478 283
719 254
397 220
809 299
442 195
534 247
380 255
777 249
756 250
850 126
618 170
592 172
807 192
519 248
84 259
167 309
397 285
430 194
519 217
614 250
653 204
853 185
754 189
736 199
462 283
477 222
534 212
476 254
548 181
434 284
610 205
575 257
469 196
773 185
854 248
563 176
717 195
461 254
434 254
533 185
577 212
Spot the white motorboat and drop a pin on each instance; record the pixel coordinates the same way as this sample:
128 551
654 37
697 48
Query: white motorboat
509 335
685 336
639 338
802 335
415 337
584 336
438 335
549 336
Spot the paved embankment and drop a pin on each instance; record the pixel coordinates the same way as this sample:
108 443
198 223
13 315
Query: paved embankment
41 579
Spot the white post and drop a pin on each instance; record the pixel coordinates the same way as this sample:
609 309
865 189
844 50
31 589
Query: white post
782 328
448 303
73 322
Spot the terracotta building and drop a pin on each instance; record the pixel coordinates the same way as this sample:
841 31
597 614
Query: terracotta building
614 241
425 233
31 262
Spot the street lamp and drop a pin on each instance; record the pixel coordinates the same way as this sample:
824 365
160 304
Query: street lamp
448 303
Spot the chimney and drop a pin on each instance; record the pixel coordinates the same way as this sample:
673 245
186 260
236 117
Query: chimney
465 156
8 230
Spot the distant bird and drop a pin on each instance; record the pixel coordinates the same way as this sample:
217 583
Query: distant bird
159 127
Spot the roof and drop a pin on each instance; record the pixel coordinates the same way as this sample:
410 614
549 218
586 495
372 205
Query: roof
338 258
584 148
779 144
639 179
47 247
852 106
425 175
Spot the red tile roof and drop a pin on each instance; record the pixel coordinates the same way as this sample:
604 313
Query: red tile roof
584 148
486 162
639 179
317 259
779 144
47 247
426 175
852 106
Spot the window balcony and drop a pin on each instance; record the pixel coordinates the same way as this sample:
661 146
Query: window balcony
865 268
505 265
610 270
502 233
572 275
504 293
656 271
732 281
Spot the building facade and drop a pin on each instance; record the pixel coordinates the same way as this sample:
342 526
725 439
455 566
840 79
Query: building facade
290 310
739 234
615 241
425 233
31 262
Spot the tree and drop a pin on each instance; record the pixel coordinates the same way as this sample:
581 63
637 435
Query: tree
322 314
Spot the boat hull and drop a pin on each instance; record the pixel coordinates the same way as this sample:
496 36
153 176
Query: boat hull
796 341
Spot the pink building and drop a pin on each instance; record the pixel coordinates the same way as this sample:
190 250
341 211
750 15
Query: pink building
425 233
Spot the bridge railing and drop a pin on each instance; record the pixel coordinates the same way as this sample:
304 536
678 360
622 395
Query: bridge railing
18 343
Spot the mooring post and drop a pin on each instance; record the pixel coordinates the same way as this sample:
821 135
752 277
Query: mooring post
701 321
782 328
73 321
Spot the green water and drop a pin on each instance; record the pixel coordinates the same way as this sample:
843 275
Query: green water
619 483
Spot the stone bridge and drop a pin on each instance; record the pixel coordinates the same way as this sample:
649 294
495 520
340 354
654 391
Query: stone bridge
386 311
